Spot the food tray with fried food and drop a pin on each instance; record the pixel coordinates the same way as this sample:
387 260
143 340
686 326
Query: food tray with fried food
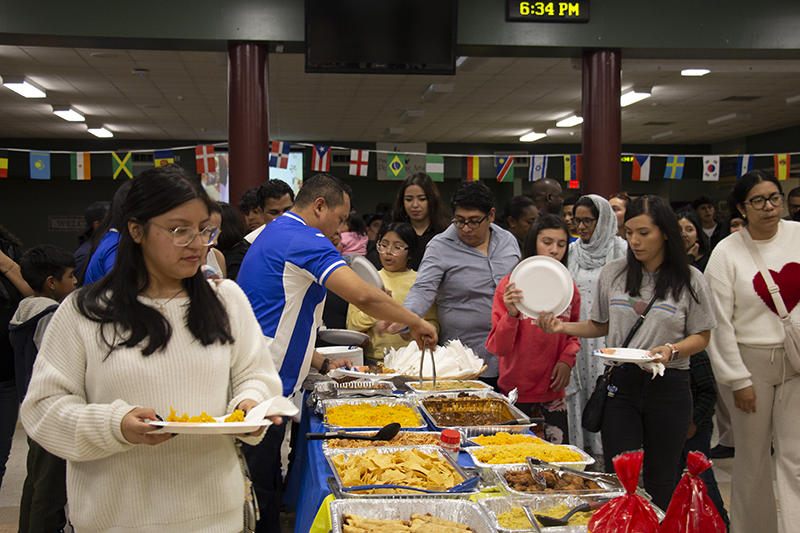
397 471
517 480
474 413
410 439
488 456
370 414
447 386
503 510
463 512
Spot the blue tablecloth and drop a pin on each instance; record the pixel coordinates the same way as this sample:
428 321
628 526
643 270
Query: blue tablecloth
308 486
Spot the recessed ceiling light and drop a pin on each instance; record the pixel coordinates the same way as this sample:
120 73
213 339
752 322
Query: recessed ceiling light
694 72
569 122
632 97
437 92
141 72
411 115
100 132
728 118
24 87
532 136
460 60
104 55
68 114
793 100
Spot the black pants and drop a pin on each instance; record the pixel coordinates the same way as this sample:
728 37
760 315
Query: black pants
492 382
556 424
264 462
653 414
44 493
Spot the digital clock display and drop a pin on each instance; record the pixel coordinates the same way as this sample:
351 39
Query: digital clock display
576 11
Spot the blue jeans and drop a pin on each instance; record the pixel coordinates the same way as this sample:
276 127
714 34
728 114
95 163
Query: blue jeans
9 410
701 442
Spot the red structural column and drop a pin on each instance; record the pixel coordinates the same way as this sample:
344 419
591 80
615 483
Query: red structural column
248 117
602 130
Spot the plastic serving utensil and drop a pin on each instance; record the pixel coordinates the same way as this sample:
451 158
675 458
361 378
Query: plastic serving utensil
549 521
387 432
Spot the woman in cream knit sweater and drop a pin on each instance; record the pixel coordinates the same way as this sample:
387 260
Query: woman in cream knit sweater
748 357
150 335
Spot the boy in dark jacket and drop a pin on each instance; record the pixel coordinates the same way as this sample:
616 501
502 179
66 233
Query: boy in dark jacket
49 271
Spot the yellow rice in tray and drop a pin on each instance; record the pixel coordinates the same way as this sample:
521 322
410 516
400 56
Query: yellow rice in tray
516 453
503 438
366 415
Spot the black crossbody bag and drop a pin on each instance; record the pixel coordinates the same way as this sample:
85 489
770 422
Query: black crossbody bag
592 417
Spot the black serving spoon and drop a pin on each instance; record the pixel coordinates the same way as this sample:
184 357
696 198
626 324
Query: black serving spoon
549 521
387 432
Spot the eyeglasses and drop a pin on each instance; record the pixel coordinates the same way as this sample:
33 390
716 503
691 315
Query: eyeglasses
759 202
390 250
583 221
183 236
473 224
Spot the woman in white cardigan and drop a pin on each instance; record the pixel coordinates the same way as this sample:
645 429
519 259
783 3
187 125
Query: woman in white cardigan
150 335
747 355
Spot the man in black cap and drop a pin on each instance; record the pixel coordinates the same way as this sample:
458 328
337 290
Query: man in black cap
93 215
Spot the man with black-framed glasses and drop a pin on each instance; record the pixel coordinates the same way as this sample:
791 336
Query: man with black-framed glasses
461 269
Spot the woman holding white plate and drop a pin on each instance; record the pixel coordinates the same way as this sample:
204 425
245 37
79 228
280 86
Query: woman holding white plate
649 411
151 334
536 364
597 244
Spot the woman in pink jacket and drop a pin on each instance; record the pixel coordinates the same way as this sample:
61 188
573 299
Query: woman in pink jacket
536 364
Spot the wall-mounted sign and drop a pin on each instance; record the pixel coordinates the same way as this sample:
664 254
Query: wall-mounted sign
66 223
547 11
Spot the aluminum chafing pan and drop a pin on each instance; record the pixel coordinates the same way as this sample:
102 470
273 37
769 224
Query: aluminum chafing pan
326 404
496 473
465 512
586 459
474 431
350 452
494 506
433 433
466 386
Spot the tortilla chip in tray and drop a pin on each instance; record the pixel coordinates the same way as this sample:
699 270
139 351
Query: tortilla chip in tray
396 472
443 407
541 503
411 420
404 439
497 474
460 511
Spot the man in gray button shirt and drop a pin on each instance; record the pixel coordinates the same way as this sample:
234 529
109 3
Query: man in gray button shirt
461 269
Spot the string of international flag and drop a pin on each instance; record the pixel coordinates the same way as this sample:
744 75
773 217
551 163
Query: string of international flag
122 163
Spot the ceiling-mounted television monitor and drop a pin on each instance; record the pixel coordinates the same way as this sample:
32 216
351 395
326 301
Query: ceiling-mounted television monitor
381 36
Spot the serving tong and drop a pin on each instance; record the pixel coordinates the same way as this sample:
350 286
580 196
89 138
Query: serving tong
609 481
422 363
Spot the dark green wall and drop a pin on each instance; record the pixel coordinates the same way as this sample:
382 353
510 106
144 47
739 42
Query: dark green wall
714 28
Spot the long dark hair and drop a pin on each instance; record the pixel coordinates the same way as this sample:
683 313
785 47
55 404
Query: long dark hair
232 230
742 189
113 300
673 275
406 233
691 215
438 219
542 223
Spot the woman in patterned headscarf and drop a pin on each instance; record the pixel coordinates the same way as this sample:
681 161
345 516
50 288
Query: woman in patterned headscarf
597 244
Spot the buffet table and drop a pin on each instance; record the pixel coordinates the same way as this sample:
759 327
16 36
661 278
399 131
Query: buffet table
307 487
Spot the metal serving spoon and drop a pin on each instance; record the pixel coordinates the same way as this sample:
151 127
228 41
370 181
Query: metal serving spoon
387 432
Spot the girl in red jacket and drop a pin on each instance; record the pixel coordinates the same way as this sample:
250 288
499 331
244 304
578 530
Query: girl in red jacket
536 364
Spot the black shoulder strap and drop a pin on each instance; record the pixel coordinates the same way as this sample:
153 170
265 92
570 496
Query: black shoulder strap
638 323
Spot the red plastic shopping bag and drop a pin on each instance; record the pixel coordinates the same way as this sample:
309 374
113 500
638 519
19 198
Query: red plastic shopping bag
630 513
691 510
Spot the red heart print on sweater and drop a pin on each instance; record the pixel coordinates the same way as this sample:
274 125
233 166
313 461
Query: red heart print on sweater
788 280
